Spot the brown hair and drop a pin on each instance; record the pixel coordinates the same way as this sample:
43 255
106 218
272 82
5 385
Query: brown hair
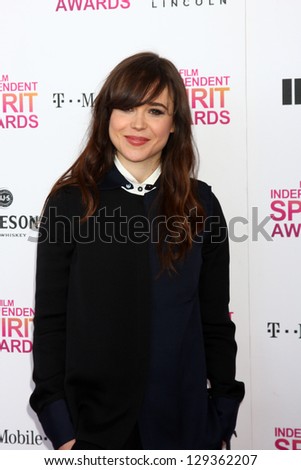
137 80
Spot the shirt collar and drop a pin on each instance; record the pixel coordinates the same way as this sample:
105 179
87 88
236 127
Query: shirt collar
132 185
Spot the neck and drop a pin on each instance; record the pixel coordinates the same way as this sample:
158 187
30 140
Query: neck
140 170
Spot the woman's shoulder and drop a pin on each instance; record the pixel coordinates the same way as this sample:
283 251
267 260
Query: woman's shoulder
203 186
204 190
208 198
67 199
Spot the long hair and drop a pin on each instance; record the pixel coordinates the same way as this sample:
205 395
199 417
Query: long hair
137 80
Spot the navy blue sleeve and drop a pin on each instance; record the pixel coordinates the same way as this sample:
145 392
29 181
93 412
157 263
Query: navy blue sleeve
218 328
56 422
54 254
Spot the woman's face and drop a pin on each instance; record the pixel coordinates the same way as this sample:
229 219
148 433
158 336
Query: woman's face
140 134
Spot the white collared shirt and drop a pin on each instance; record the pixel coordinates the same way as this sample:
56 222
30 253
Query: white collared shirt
133 185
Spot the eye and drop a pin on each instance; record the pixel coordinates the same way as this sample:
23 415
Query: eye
156 111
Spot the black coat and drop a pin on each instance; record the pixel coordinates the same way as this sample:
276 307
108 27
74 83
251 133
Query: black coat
114 344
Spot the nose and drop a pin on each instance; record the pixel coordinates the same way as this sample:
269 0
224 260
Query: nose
138 119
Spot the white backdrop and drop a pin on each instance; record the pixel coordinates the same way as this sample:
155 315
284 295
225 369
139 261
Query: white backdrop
233 56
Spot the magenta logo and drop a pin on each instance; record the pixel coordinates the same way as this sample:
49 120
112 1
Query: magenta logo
17 104
208 97
91 5
288 438
15 327
286 212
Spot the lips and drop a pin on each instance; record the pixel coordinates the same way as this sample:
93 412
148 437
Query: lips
136 140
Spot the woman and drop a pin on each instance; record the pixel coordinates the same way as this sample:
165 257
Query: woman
133 344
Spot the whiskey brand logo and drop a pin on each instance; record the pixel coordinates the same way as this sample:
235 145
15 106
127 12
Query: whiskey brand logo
6 198
17 225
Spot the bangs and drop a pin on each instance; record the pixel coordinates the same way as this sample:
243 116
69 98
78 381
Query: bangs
137 88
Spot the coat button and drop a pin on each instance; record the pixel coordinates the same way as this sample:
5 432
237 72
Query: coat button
140 188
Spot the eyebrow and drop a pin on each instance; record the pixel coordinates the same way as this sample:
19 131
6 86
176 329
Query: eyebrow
155 103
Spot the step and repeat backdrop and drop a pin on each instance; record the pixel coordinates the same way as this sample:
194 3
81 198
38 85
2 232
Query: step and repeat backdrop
241 64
